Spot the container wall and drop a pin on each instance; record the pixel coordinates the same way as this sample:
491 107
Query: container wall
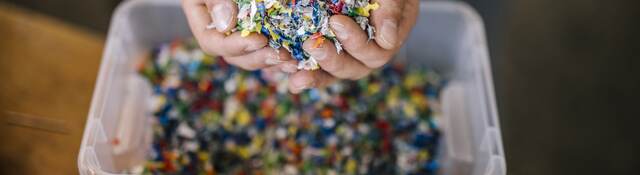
448 38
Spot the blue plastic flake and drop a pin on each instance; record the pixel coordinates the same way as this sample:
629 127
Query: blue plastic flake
217 119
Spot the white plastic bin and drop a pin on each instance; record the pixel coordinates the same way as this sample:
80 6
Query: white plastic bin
449 38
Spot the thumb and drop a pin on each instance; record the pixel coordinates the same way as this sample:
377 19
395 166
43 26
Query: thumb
386 20
223 14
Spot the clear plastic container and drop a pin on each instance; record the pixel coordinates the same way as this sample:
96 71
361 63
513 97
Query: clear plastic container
449 38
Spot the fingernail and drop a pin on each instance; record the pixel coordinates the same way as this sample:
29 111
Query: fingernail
388 33
289 68
221 16
273 59
318 53
340 30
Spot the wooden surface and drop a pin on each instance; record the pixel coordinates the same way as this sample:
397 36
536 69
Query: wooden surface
47 74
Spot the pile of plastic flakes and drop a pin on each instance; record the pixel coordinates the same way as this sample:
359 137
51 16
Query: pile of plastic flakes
288 24
212 118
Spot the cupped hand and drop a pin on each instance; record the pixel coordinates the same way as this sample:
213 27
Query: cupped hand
393 22
211 22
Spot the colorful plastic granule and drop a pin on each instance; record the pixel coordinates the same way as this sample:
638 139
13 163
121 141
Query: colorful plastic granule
212 118
288 24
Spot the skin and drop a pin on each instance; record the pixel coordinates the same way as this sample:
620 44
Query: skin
393 22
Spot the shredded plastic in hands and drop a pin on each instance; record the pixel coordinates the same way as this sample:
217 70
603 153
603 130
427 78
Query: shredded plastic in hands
212 118
287 24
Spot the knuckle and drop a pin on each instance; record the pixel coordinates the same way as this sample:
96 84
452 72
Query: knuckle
206 47
252 66
376 62
333 64
358 46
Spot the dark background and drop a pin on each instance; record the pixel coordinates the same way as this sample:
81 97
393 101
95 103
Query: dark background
566 78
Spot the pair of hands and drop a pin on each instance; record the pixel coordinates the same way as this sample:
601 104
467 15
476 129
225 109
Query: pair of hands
393 22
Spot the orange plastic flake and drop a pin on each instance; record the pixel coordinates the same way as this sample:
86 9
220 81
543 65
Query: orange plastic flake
204 86
327 113
319 42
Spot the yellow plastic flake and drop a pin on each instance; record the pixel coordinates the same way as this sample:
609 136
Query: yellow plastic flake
227 125
257 142
373 88
292 130
419 99
243 118
258 27
277 5
208 59
155 165
245 32
243 152
423 155
203 155
286 44
256 145
285 10
364 11
412 80
410 110
314 67
351 166
162 100
212 117
273 34
270 11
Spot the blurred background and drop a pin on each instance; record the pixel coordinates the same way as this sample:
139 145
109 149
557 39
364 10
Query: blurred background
566 76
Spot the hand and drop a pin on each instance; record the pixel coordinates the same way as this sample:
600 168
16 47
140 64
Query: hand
393 22
210 20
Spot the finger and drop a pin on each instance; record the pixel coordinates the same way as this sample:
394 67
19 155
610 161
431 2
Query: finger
290 66
223 14
409 17
305 79
273 74
198 18
214 42
386 20
259 59
355 41
271 70
279 72
339 65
